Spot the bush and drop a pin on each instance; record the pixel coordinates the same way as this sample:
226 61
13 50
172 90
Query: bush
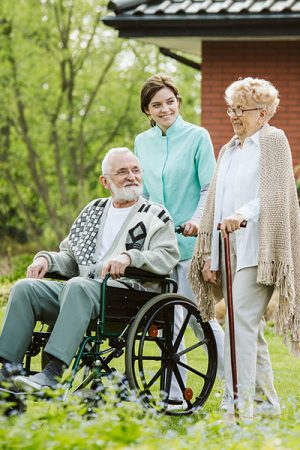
4 292
16 267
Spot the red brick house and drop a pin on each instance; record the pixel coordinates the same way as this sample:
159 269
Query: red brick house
233 39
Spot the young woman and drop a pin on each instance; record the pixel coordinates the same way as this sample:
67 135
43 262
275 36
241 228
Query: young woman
178 162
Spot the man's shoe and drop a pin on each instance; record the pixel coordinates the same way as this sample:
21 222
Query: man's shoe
35 382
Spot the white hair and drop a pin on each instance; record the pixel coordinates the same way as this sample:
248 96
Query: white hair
261 91
126 193
112 152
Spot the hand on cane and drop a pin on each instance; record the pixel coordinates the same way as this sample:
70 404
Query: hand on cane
231 224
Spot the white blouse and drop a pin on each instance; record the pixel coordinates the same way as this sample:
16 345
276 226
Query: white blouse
237 192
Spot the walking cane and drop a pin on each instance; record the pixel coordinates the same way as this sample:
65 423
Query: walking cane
231 315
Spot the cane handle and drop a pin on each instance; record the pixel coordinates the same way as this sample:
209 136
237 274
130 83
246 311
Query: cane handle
242 225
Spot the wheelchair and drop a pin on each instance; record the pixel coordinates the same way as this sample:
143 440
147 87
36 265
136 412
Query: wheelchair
139 325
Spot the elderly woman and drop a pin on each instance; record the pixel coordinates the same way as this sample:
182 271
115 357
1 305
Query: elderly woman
253 181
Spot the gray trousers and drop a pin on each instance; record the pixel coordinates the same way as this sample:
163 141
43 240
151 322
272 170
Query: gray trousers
69 305
254 370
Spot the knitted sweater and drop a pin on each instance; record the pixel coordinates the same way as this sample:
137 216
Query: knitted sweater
147 237
279 236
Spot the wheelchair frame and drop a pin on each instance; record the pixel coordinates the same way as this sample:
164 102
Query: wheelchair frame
141 323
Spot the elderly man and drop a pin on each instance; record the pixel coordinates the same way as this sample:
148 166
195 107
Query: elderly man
109 235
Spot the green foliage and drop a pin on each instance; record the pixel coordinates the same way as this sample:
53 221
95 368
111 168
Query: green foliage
5 287
69 90
15 269
71 425
18 266
54 424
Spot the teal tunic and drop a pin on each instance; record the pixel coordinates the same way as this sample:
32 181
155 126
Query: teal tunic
176 166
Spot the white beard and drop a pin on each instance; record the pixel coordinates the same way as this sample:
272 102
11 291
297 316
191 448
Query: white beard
126 193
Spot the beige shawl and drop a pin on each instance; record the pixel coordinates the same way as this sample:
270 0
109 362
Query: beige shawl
279 236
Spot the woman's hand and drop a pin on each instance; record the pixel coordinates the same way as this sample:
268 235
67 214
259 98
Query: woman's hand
231 224
210 276
190 228
38 268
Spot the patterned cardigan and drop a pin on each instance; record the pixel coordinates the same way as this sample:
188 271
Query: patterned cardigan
147 237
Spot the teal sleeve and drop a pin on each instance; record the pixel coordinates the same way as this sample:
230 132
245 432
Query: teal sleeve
205 159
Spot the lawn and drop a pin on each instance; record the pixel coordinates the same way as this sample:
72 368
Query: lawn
53 424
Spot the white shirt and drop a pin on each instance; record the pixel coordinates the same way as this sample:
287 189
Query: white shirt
114 221
237 191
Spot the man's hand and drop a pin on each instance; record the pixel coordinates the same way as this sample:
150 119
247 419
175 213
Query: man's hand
116 266
231 224
210 276
38 268
190 228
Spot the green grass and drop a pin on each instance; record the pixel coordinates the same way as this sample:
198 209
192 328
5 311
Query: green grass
52 424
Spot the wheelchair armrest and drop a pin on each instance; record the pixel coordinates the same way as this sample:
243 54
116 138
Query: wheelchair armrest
133 272
142 275
56 276
130 272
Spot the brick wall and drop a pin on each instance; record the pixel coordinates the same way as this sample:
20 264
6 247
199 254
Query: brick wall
223 63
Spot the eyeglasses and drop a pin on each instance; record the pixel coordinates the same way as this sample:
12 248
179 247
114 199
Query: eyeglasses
125 172
239 111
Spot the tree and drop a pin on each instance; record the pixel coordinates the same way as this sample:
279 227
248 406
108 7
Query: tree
69 90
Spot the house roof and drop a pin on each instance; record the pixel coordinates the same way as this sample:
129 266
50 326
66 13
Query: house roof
183 24
186 7
205 18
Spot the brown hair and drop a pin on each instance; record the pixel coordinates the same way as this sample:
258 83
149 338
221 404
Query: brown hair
152 85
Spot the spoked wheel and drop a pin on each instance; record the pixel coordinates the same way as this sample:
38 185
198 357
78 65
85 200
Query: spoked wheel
171 355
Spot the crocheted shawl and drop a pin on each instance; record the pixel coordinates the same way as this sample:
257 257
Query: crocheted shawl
279 237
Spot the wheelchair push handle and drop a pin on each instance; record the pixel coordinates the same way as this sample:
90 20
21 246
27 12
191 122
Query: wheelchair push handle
179 229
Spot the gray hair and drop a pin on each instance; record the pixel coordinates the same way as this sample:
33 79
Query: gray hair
261 91
112 152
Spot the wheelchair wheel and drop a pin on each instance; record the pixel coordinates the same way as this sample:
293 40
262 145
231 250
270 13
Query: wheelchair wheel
171 363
